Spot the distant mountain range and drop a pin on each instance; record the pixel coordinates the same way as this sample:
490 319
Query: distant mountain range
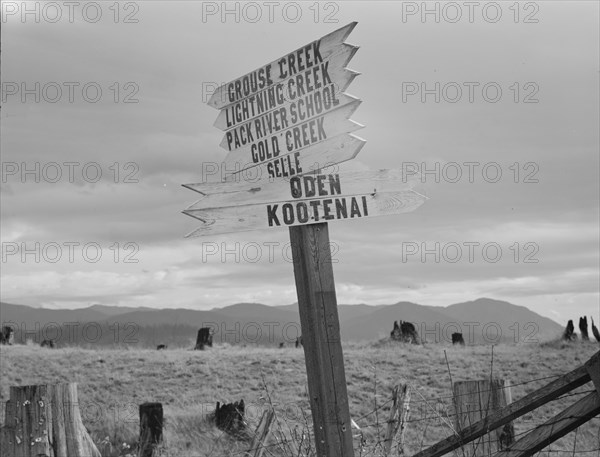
481 321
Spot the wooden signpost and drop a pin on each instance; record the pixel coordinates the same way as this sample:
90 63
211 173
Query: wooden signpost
287 123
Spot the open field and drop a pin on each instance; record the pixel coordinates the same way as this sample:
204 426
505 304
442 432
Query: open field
112 383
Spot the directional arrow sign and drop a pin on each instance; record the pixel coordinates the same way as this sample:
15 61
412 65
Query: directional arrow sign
306 199
303 91
293 139
279 70
218 194
308 160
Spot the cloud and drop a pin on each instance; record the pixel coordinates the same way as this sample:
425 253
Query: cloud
543 207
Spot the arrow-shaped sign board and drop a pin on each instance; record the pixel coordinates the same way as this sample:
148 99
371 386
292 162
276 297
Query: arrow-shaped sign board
301 60
306 199
308 160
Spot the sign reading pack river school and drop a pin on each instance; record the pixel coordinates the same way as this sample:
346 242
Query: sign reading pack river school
285 123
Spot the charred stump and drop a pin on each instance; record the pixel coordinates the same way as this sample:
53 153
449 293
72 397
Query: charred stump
48 344
405 332
583 328
151 428
569 333
7 335
457 338
229 417
203 339
299 342
595 331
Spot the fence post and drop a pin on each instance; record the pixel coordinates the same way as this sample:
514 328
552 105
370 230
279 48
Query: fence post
45 420
151 428
399 413
259 441
473 401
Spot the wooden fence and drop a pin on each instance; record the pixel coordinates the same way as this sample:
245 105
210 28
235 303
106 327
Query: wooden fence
575 415
38 423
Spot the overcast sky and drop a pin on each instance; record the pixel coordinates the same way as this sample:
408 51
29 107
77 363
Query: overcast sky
540 131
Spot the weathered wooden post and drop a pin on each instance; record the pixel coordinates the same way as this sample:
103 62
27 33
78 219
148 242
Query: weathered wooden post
45 420
473 401
151 429
321 337
288 136
399 413
261 435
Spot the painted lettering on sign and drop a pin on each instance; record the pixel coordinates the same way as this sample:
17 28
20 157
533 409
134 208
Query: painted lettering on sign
302 59
249 84
282 118
321 209
332 74
322 155
295 63
247 148
292 64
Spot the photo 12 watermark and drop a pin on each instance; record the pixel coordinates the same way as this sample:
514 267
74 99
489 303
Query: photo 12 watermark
490 252
254 332
71 12
69 172
258 252
67 334
70 92
270 12
53 252
470 12
489 92
473 172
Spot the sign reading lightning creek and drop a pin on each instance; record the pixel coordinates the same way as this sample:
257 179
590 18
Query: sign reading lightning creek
331 77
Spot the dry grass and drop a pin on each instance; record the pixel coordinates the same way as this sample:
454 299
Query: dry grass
112 383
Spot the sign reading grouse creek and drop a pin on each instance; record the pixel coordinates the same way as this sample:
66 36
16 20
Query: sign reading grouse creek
300 64
285 125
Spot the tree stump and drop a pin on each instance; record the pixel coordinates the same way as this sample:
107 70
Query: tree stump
230 417
405 332
7 335
151 428
569 333
595 330
47 344
583 328
203 339
45 420
457 338
474 400
299 341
